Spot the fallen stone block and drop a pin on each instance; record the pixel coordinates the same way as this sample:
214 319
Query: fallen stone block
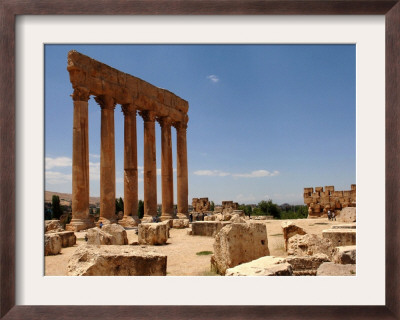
97 236
309 245
68 238
290 229
344 226
265 266
153 233
345 255
237 219
347 215
306 265
52 244
52 226
333 269
180 223
208 228
340 237
118 232
239 243
116 261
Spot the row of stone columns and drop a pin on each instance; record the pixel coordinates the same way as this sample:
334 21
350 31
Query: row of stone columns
80 173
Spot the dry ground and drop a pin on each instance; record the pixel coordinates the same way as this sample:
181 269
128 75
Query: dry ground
181 248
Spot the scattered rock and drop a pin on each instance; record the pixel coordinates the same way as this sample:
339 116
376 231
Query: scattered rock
237 219
97 236
289 230
239 243
344 226
265 266
340 237
208 228
68 238
180 223
345 255
52 226
306 265
333 269
153 233
347 215
52 244
118 232
116 261
308 245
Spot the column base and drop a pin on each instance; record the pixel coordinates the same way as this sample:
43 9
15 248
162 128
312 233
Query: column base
106 221
182 215
147 219
129 221
79 224
167 216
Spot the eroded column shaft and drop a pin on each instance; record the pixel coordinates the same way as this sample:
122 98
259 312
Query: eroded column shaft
166 170
182 170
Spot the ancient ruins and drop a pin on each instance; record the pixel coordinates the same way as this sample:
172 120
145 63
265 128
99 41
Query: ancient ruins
110 87
321 200
201 204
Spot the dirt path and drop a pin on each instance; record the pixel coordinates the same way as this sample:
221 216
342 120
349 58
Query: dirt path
181 248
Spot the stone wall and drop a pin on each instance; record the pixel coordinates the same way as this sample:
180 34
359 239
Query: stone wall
200 204
320 200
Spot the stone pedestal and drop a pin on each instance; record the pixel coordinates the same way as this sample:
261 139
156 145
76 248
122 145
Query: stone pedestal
80 163
107 161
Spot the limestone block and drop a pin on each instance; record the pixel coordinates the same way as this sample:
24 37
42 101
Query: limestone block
340 237
347 215
344 226
306 265
265 266
308 190
52 244
238 212
289 230
129 221
118 232
97 236
180 223
308 245
237 219
116 261
319 189
68 238
189 232
207 228
153 233
239 243
52 226
329 188
347 194
333 269
345 255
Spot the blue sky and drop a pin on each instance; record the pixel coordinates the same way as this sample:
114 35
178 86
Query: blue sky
265 121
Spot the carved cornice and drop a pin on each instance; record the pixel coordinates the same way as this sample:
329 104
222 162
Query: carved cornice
128 109
105 102
80 94
148 116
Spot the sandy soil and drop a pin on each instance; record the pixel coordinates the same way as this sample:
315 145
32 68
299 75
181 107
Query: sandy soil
181 248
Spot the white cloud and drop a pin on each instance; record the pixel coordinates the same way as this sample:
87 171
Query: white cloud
256 174
93 155
54 177
211 173
213 78
58 162
94 171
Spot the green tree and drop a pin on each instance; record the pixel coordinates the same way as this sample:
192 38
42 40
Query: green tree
212 205
55 207
119 205
140 209
269 208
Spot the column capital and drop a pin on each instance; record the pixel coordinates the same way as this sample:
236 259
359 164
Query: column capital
128 108
180 126
164 121
105 102
148 116
80 94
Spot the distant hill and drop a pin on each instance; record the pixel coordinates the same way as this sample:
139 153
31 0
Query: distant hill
66 198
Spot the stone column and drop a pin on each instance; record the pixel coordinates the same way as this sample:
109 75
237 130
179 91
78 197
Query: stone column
167 178
150 167
107 160
182 170
80 163
130 218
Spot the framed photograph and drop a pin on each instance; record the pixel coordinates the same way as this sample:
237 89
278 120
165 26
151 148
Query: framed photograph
371 27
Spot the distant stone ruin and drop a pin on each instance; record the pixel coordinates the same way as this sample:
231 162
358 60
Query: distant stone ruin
229 206
320 200
200 204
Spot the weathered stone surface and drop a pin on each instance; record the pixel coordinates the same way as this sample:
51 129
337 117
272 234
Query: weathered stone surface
239 243
180 223
153 233
200 204
333 269
344 226
265 266
97 236
118 232
207 228
52 226
345 255
129 221
52 244
189 232
289 230
347 215
308 245
237 219
68 238
306 265
239 212
340 237
116 261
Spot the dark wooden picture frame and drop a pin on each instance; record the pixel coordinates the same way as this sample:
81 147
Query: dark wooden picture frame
9 9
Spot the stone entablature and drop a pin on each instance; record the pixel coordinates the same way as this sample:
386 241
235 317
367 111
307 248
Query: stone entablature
111 87
201 204
320 200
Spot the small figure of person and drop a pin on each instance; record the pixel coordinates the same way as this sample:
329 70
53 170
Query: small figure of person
329 215
202 216
155 219
86 237
333 216
101 225
191 218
